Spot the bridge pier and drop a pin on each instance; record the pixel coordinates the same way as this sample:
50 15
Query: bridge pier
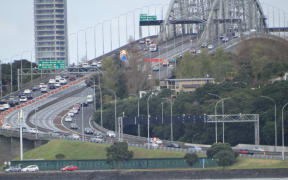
10 147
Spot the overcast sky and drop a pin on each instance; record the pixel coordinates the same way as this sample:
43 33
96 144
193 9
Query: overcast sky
17 24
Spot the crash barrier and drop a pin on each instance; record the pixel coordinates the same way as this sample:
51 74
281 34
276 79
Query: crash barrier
101 164
4 113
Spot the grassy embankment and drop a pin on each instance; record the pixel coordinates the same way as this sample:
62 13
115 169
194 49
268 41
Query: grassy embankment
78 150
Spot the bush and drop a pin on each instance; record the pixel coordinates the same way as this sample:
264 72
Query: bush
118 152
191 158
225 158
60 156
217 147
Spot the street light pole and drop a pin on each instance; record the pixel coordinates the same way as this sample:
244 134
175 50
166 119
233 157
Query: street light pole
283 154
275 117
148 115
82 125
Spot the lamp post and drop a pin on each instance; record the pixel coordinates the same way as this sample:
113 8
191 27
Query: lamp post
275 118
82 124
283 155
22 63
138 111
35 119
95 45
171 120
215 110
148 115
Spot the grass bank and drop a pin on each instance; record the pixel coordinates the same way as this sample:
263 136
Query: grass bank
78 150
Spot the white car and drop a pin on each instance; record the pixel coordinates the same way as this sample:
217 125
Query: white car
6 106
58 78
31 168
51 81
111 134
75 136
71 113
89 98
63 81
258 149
68 119
74 111
210 46
33 130
27 91
23 99
6 126
44 90
57 85
41 85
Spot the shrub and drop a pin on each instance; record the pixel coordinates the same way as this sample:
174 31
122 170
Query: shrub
191 158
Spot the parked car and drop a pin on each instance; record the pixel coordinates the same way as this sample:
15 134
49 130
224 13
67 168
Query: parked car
245 151
70 168
13 169
31 168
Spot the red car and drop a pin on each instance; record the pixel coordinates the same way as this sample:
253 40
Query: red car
245 151
70 168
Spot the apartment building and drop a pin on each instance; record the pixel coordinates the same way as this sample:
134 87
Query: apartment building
50 26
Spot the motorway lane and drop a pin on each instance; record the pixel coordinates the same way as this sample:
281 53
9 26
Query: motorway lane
13 119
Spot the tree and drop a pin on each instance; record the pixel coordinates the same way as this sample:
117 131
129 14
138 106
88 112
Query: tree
225 158
217 147
118 152
191 158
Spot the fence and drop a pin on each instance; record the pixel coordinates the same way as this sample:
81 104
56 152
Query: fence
48 165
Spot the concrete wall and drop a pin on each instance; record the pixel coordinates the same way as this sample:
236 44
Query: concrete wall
149 175
10 147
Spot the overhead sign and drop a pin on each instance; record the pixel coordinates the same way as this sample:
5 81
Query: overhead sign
123 55
145 17
153 60
52 64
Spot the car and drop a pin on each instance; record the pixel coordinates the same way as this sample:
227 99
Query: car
198 51
29 96
13 169
63 81
173 145
89 98
94 64
41 85
70 113
97 139
194 149
74 126
72 78
30 168
35 88
210 46
142 41
6 126
44 90
258 149
204 45
74 136
156 68
111 134
6 106
33 130
52 86
58 78
75 111
165 63
88 131
245 151
70 168
57 85
225 40
68 119
85 104
172 60
51 81
27 91
23 99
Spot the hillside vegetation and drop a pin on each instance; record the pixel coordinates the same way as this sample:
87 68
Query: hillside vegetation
244 77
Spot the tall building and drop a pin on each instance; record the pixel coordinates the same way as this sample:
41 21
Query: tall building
50 25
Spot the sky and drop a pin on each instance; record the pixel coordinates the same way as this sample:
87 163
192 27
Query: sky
17 24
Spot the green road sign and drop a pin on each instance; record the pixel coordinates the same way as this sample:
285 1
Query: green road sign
53 64
144 17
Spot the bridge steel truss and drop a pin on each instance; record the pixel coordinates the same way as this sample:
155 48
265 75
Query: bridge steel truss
212 18
237 118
